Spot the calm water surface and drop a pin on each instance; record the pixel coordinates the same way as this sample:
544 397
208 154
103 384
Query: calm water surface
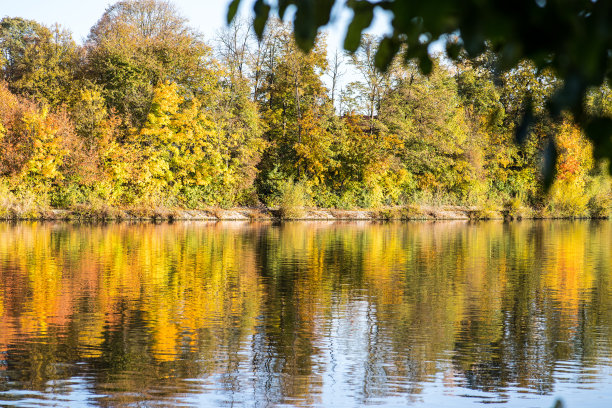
306 314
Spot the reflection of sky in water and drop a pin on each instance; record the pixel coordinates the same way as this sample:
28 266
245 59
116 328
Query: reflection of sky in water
312 314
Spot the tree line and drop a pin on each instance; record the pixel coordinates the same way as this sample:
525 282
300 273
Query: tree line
145 113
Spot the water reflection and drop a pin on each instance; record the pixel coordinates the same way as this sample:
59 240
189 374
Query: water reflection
305 313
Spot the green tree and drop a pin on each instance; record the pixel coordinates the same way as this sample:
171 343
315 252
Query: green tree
37 61
295 107
426 115
573 38
491 149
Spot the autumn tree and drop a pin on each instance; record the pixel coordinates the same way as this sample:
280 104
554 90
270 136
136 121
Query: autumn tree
139 44
186 152
294 106
33 142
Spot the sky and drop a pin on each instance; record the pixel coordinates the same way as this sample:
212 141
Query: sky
207 16
80 15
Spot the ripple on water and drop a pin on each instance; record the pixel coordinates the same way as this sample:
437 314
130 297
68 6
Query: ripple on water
313 314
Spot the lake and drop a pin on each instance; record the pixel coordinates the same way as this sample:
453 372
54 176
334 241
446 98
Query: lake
306 314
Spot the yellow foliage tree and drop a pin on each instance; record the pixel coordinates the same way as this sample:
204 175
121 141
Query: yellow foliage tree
569 192
184 147
47 154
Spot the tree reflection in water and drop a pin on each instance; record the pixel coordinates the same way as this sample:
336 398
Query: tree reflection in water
302 313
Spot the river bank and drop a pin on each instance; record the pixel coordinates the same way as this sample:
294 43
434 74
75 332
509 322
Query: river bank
404 213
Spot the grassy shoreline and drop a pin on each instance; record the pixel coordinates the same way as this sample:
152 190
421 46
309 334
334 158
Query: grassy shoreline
398 213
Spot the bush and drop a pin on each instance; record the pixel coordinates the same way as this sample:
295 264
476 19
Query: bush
96 209
371 196
486 211
567 199
66 196
388 214
292 199
601 196
249 198
193 197
434 199
516 210
599 205
23 204
347 201
413 212
270 186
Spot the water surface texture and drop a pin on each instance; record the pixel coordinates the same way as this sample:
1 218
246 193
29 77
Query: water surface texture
306 314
